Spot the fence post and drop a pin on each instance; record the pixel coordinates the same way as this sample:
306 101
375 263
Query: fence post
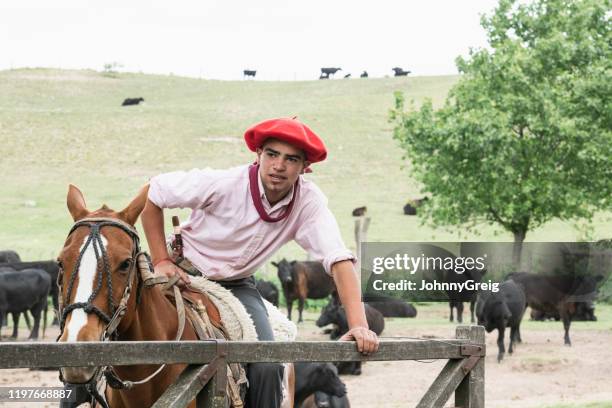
470 392
361 234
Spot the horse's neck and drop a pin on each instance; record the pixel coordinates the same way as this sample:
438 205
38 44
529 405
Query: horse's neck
155 318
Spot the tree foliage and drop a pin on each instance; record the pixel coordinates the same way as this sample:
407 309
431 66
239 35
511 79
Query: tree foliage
525 135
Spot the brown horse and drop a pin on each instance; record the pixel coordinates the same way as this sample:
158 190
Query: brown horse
98 263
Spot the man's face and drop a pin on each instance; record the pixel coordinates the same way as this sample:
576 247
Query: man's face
280 166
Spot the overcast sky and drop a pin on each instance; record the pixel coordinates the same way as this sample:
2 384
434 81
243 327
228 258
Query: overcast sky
282 40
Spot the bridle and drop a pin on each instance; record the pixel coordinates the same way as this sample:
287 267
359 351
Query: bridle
139 260
95 239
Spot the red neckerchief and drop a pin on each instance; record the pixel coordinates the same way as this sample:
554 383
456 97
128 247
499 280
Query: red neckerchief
256 196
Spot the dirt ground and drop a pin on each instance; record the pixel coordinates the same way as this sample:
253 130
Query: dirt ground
541 373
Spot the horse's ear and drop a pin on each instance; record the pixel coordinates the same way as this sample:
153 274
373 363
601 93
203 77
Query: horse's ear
76 203
130 213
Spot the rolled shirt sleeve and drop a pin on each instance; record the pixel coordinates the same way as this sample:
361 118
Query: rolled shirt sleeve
192 189
319 235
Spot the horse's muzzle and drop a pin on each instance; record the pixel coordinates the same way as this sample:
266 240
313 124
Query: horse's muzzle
77 375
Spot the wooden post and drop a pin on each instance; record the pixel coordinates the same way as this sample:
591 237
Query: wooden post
361 234
471 392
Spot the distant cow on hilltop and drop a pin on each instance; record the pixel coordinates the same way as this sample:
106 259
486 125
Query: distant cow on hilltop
132 101
248 73
329 71
400 72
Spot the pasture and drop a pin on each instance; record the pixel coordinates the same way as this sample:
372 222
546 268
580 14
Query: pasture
59 127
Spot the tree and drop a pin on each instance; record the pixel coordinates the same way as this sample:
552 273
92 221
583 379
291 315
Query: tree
525 135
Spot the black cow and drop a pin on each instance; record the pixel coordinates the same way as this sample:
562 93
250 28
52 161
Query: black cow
268 291
248 73
411 207
313 377
360 211
390 307
585 312
9 256
132 101
333 313
301 280
16 316
557 294
329 71
321 399
498 310
400 72
456 297
51 267
364 74
25 290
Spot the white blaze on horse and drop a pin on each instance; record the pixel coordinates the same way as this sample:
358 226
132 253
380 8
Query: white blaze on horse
109 293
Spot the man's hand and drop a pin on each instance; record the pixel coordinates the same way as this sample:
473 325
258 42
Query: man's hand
169 269
367 340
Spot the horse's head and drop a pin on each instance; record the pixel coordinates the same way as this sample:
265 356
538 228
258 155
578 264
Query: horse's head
98 273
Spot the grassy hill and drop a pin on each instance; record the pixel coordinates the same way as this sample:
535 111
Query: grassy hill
59 127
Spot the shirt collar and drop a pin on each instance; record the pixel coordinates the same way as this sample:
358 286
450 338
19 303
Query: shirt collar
282 203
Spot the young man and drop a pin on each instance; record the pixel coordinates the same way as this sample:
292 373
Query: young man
241 216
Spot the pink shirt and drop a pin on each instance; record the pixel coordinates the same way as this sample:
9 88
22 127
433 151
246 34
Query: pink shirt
226 239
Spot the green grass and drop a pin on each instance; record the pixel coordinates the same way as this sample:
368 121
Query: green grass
604 404
59 127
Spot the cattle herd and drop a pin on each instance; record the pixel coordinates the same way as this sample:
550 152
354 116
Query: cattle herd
326 73
26 286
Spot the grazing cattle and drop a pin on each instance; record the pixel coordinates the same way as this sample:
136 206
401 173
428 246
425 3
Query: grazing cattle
411 207
585 312
498 310
25 290
248 73
329 71
347 75
301 280
556 294
364 74
390 307
268 291
360 211
132 101
9 256
333 313
313 377
456 297
51 267
400 72
321 399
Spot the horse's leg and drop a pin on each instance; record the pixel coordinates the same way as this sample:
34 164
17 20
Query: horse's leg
15 324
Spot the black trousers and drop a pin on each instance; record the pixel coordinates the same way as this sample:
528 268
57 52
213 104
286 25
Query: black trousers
265 379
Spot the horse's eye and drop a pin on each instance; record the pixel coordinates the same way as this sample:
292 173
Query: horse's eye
59 263
125 265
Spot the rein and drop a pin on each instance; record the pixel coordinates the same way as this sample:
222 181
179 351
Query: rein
140 261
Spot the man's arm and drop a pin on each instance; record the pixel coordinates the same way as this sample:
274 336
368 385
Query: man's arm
152 219
349 291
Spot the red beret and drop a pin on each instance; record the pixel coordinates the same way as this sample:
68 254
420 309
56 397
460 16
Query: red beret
288 130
